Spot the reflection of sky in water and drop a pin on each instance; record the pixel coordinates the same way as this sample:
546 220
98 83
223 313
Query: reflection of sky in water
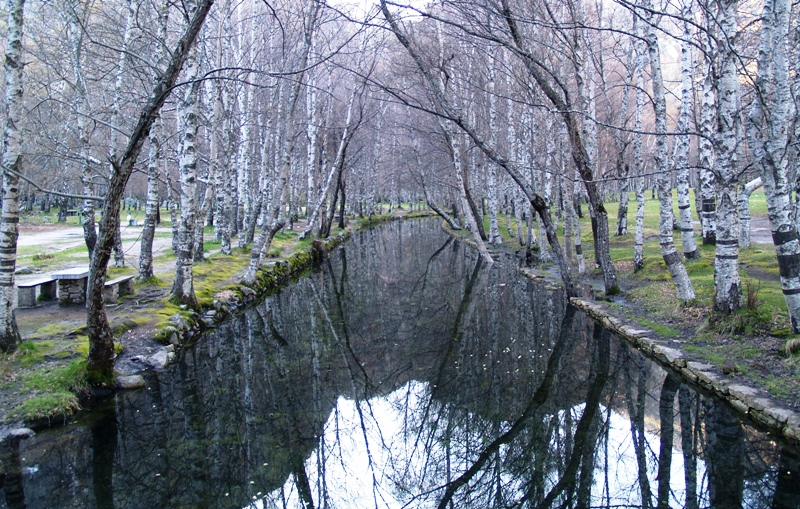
384 462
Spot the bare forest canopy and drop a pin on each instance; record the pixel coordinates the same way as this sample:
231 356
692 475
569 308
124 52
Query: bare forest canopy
263 116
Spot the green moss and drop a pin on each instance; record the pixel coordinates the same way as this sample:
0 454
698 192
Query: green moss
53 405
70 377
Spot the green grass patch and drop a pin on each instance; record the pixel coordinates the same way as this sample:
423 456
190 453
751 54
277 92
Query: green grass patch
52 405
661 330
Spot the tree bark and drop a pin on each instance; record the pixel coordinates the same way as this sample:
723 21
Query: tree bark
771 116
677 270
743 200
183 285
12 160
727 284
682 142
101 337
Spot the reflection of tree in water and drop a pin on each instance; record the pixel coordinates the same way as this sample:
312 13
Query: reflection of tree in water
448 382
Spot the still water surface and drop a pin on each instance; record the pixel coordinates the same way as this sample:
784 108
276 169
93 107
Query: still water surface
406 373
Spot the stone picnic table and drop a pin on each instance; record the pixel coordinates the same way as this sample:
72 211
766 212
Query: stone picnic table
71 285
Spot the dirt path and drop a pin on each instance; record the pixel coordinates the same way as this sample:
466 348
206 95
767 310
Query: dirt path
760 230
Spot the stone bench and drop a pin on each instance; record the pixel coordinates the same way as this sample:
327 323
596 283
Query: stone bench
72 285
117 288
26 291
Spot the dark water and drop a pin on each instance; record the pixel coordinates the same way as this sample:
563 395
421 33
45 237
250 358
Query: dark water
407 374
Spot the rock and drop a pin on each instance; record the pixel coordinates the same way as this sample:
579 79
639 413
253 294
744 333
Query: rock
25 270
128 382
161 359
178 321
173 339
16 434
782 415
247 291
743 392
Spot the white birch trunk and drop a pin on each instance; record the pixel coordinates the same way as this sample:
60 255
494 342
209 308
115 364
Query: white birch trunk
769 133
682 141
183 285
222 137
677 270
116 120
705 149
727 283
312 133
638 236
82 111
576 226
152 205
638 159
12 162
744 210
491 177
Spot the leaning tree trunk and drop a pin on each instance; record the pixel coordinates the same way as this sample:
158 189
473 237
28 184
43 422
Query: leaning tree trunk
677 270
12 162
101 337
580 156
469 216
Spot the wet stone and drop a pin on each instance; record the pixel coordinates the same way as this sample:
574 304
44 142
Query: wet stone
128 382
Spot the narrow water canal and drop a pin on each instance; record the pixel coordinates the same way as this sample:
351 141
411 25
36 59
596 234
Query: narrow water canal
407 374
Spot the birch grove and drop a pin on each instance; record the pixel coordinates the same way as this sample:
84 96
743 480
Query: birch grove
293 118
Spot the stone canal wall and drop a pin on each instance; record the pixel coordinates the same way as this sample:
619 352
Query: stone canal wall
752 402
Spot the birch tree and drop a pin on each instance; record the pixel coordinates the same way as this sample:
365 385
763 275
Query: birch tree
81 113
769 132
12 166
727 284
743 200
154 159
183 284
447 110
677 270
101 337
682 141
